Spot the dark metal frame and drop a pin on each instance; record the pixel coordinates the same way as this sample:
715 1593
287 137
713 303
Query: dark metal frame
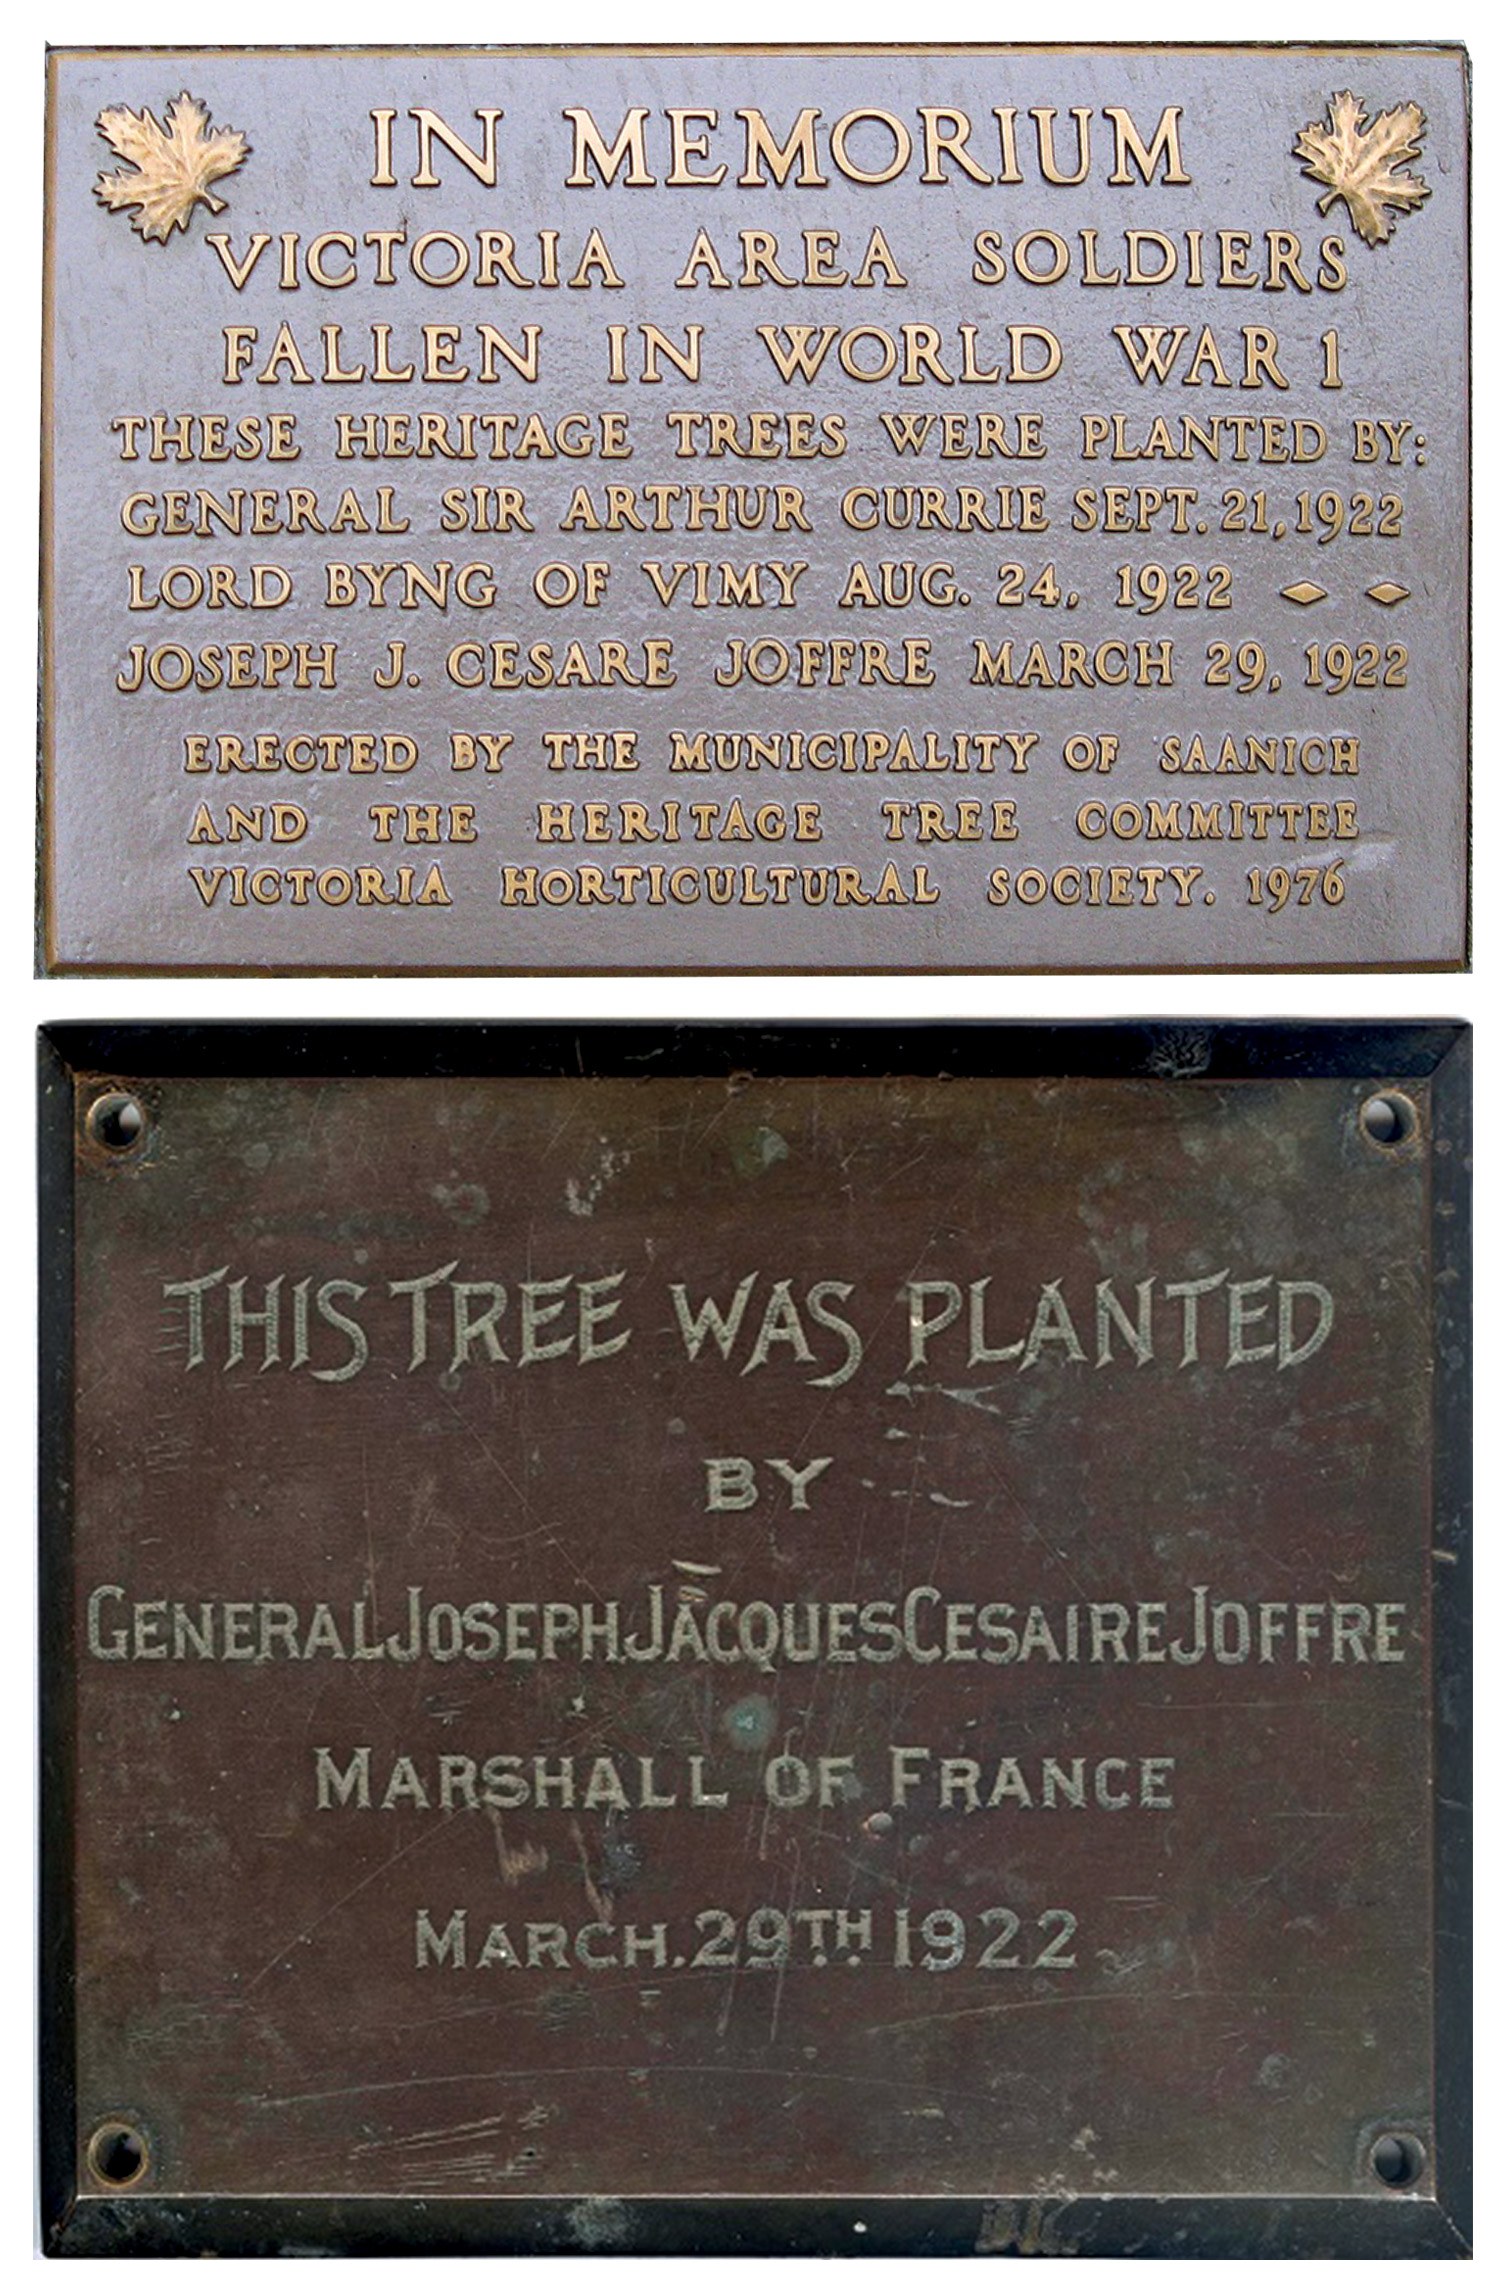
1388 2224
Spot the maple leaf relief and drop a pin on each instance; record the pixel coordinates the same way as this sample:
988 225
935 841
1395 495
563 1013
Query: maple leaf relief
1365 165
172 166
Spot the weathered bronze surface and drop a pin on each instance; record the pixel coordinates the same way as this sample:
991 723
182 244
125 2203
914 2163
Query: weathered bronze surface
760 1633
863 510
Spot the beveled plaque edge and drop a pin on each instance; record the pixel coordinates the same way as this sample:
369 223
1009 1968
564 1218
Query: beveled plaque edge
1436 1054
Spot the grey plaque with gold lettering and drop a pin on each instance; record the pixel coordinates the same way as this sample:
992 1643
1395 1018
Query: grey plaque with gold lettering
528 510
770 1639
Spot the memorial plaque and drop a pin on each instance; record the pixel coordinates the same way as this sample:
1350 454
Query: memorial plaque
904 510
798 1640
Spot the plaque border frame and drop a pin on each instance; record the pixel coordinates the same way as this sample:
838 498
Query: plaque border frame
1274 2225
46 964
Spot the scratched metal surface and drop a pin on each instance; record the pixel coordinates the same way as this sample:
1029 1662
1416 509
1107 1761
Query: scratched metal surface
137 328
1250 1998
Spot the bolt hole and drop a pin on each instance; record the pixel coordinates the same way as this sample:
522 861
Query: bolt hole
1398 2161
117 2154
117 1122
1388 1119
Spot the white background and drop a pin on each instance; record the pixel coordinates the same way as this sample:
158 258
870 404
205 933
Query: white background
1484 996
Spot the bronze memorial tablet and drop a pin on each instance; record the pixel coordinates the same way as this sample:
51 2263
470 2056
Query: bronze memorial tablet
541 510
841 1641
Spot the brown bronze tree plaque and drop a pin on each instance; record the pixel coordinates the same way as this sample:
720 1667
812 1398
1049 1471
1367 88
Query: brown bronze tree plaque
829 1639
906 509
